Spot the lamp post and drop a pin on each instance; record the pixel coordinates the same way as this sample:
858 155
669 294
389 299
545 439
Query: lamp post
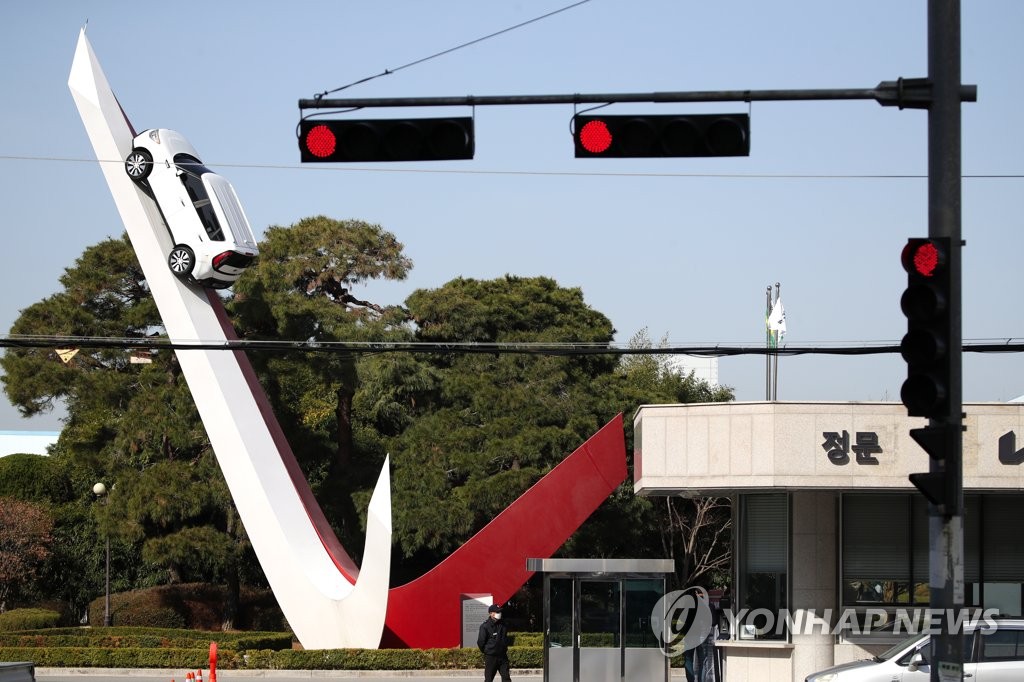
100 490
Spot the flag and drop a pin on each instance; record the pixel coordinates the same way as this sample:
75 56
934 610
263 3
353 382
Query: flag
777 320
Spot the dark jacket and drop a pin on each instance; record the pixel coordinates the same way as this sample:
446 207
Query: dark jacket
493 638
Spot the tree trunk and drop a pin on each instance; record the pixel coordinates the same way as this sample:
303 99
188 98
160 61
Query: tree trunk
343 413
231 598
232 589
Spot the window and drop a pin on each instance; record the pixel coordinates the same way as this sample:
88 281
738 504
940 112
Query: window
763 578
884 560
641 596
885 550
191 177
1002 645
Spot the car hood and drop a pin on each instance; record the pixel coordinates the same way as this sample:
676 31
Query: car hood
855 665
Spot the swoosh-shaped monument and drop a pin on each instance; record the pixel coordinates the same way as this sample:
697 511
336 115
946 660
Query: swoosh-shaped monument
328 601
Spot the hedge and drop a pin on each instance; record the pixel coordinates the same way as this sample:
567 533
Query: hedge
27 619
334 659
128 637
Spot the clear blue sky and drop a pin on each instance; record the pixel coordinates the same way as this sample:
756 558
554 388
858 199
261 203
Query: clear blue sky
683 247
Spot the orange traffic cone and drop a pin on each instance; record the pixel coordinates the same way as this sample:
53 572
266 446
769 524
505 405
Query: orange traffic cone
199 675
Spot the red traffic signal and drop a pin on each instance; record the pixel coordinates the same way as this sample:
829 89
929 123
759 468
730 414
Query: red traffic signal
926 344
922 257
662 135
416 139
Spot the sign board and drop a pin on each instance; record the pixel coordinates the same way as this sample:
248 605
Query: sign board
474 612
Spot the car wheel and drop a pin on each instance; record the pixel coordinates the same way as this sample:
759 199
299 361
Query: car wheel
138 165
181 261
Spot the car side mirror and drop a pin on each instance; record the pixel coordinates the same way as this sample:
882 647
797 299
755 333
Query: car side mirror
916 661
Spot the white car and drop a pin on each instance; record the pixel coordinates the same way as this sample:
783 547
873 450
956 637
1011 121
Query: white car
991 654
213 242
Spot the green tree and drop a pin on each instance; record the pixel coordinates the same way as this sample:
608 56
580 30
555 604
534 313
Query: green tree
303 288
695 532
132 426
470 432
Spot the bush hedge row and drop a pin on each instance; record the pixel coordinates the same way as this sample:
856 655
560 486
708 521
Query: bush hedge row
28 619
102 639
334 659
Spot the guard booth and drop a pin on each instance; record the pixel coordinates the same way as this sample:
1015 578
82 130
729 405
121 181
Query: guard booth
597 619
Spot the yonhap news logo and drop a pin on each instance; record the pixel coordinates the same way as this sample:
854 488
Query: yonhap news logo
681 620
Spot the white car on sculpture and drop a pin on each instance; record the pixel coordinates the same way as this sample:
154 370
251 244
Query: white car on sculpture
213 242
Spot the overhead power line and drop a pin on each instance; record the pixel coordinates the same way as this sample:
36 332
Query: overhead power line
1010 345
458 171
388 72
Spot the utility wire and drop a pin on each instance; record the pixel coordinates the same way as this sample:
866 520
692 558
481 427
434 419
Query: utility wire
388 72
1010 345
456 171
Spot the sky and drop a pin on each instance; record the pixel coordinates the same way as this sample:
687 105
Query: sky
683 248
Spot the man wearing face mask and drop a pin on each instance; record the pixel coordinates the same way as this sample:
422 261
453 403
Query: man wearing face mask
493 642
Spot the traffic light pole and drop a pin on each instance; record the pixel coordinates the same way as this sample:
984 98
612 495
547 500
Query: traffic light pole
906 93
941 93
946 575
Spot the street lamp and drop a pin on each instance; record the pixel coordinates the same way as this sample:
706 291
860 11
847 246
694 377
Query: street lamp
100 490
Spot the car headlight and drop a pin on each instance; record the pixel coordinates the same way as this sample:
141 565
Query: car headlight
823 677
155 136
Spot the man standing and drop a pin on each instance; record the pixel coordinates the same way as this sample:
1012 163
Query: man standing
493 642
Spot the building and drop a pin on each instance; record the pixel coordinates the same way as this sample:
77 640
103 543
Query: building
27 442
827 526
703 368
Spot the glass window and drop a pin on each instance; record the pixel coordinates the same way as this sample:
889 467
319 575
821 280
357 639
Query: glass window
1002 645
191 178
881 546
599 613
1002 554
764 568
641 596
560 595
884 548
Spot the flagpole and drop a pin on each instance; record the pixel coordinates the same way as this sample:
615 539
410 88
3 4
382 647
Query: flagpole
767 345
775 383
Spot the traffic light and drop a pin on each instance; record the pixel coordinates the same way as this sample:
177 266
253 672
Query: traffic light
942 487
662 135
409 139
926 345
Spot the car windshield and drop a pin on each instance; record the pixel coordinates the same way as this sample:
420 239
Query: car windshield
886 655
192 170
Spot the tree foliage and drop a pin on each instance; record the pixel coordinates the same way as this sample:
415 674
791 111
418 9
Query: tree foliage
126 422
467 432
481 428
25 536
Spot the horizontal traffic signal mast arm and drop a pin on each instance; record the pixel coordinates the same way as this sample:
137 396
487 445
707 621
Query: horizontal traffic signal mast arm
911 93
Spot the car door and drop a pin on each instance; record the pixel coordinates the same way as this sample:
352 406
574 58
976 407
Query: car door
1000 656
922 671
970 664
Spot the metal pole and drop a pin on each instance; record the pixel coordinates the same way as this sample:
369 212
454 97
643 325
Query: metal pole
903 92
775 359
767 344
946 580
106 602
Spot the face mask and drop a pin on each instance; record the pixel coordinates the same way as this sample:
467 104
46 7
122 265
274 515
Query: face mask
497 616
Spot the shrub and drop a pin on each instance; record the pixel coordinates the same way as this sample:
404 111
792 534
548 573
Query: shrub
34 479
190 605
28 619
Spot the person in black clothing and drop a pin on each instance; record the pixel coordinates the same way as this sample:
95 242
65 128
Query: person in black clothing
493 642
